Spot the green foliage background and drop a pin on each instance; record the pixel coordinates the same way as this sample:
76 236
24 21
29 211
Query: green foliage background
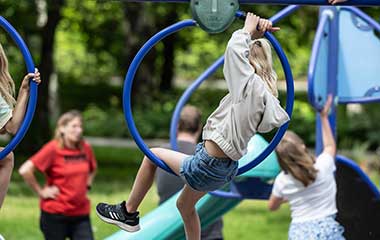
96 40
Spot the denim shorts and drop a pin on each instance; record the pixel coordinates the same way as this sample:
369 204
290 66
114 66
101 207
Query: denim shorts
205 173
325 229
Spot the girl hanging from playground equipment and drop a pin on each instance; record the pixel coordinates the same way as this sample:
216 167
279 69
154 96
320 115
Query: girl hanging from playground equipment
250 106
11 114
308 183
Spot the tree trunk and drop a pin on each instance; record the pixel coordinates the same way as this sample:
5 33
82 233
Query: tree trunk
39 132
140 26
168 54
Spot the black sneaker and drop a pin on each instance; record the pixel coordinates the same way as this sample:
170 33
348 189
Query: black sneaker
118 215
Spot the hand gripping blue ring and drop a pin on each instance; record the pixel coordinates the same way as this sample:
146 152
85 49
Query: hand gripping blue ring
136 62
33 89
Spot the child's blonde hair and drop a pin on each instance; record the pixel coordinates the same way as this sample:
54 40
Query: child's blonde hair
261 59
7 86
295 159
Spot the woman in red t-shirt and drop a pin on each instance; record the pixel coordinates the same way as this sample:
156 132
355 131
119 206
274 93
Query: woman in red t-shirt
69 165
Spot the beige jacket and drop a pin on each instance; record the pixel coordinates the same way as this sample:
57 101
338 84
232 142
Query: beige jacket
249 107
5 112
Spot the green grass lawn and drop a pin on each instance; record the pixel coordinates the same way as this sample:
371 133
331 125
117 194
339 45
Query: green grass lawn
19 217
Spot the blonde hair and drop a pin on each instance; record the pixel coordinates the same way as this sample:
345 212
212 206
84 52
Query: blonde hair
7 86
63 120
260 58
295 159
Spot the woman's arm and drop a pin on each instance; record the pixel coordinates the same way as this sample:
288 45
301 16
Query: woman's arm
22 100
27 172
274 202
90 179
329 145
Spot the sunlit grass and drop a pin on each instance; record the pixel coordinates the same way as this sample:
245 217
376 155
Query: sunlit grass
19 217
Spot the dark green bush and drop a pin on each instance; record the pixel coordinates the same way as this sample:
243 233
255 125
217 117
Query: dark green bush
102 110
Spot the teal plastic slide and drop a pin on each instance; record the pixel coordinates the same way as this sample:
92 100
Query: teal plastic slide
165 221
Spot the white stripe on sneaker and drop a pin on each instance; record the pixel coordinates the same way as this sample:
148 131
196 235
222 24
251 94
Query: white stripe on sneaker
115 215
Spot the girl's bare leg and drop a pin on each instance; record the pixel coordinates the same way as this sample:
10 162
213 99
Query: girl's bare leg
145 176
186 206
6 167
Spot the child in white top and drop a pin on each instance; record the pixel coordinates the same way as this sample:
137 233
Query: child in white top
308 184
250 106
11 114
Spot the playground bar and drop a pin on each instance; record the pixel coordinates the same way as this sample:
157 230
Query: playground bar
313 59
33 88
363 16
283 2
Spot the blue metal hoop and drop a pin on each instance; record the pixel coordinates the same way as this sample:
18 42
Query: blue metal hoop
33 88
154 40
128 88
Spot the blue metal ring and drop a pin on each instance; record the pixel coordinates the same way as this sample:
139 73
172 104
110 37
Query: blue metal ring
319 35
33 89
289 106
154 40
128 88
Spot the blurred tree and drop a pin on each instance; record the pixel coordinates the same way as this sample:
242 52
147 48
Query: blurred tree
143 21
49 13
99 39
95 41
25 15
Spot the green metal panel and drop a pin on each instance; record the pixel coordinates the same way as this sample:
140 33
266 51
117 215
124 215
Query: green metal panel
214 16
267 169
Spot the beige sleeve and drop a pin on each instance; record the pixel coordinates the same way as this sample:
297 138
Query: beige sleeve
274 115
237 69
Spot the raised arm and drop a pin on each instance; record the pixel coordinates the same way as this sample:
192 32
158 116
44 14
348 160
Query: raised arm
22 100
329 145
237 68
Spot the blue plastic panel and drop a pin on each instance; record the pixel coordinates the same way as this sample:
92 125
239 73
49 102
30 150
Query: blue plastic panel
359 59
321 75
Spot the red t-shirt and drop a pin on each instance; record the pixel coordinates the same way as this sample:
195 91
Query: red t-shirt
68 169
